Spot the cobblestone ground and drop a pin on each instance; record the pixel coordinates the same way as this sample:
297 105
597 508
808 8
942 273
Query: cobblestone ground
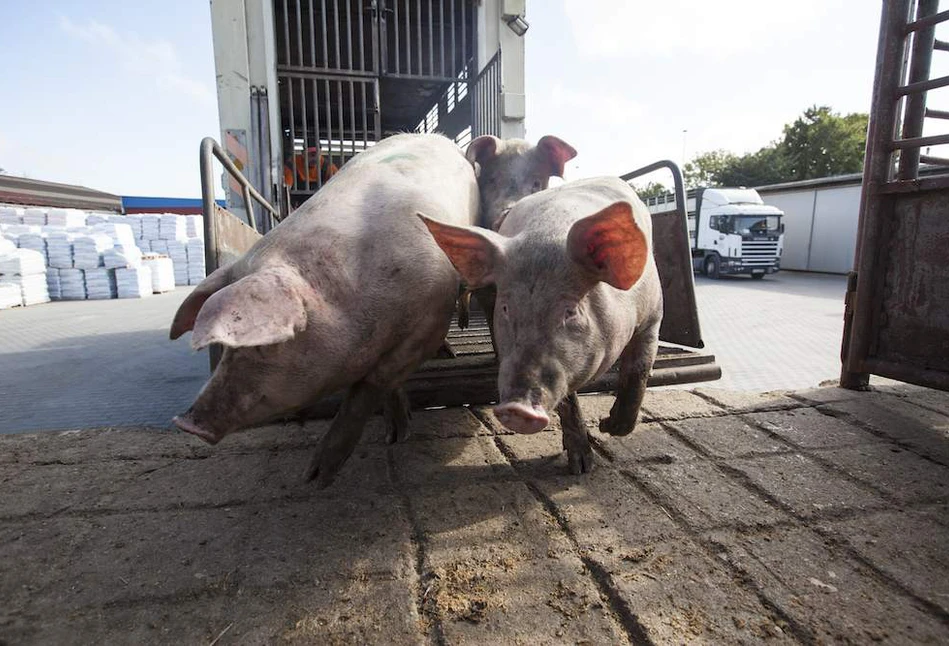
814 517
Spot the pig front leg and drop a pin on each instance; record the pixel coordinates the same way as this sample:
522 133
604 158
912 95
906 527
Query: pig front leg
360 402
486 297
396 412
576 440
635 367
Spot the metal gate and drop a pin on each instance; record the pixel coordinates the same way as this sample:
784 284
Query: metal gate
353 71
897 310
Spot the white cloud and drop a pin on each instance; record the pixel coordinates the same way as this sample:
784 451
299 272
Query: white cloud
610 29
157 59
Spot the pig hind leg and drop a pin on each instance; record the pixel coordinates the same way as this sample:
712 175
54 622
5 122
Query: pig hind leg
360 402
576 440
635 367
396 413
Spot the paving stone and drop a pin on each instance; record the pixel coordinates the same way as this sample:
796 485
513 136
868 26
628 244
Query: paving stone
924 430
736 401
677 404
427 463
827 394
908 545
727 437
116 558
680 595
648 443
936 400
90 445
430 424
330 611
501 569
803 485
706 497
603 508
831 598
811 429
901 473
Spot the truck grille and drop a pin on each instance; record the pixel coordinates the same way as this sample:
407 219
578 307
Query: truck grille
758 252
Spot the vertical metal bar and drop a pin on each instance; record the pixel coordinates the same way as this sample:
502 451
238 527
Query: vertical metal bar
316 129
923 41
312 34
418 31
329 124
408 39
299 35
441 36
339 64
352 118
293 131
454 70
365 110
326 54
208 204
464 37
395 30
362 39
306 140
349 35
342 123
286 31
431 40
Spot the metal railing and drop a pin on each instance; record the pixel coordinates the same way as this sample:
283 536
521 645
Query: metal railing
907 101
485 97
209 149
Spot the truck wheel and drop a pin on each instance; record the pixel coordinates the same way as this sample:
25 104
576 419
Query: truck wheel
711 267
757 276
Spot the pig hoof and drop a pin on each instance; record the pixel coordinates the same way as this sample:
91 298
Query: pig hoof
445 351
188 426
611 426
580 461
396 413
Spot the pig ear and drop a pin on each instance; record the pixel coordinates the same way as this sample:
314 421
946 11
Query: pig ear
475 253
483 149
556 153
188 311
610 245
260 309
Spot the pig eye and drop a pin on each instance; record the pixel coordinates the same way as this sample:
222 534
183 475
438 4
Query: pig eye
504 309
570 314
536 186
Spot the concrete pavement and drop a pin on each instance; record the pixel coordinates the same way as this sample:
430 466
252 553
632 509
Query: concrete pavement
815 516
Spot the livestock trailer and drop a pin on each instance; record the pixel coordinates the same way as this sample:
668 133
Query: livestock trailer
896 318
306 85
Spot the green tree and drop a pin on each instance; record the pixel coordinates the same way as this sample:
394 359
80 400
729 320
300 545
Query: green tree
819 143
705 169
650 189
822 143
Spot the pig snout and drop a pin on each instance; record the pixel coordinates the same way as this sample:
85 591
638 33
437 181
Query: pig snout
522 417
187 424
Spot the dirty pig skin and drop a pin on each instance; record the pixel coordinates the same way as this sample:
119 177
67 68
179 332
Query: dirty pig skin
349 293
577 290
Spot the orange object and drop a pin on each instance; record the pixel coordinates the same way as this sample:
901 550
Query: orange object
313 166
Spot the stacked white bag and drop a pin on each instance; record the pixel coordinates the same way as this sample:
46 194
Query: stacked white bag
35 216
53 283
196 269
100 284
11 215
10 296
194 225
163 272
72 284
87 250
59 248
151 226
25 269
35 242
172 227
133 282
66 218
178 252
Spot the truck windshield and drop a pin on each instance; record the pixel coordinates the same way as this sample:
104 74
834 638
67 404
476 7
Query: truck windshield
756 224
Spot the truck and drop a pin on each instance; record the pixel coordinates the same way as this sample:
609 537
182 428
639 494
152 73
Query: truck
731 231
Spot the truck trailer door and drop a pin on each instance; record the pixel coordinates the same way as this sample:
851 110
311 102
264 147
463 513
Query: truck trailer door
897 309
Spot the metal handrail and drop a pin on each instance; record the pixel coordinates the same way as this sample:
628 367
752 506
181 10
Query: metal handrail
209 148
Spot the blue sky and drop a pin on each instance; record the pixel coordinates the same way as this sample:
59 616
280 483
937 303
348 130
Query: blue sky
117 95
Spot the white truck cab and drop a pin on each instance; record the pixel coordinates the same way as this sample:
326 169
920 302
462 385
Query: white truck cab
731 231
